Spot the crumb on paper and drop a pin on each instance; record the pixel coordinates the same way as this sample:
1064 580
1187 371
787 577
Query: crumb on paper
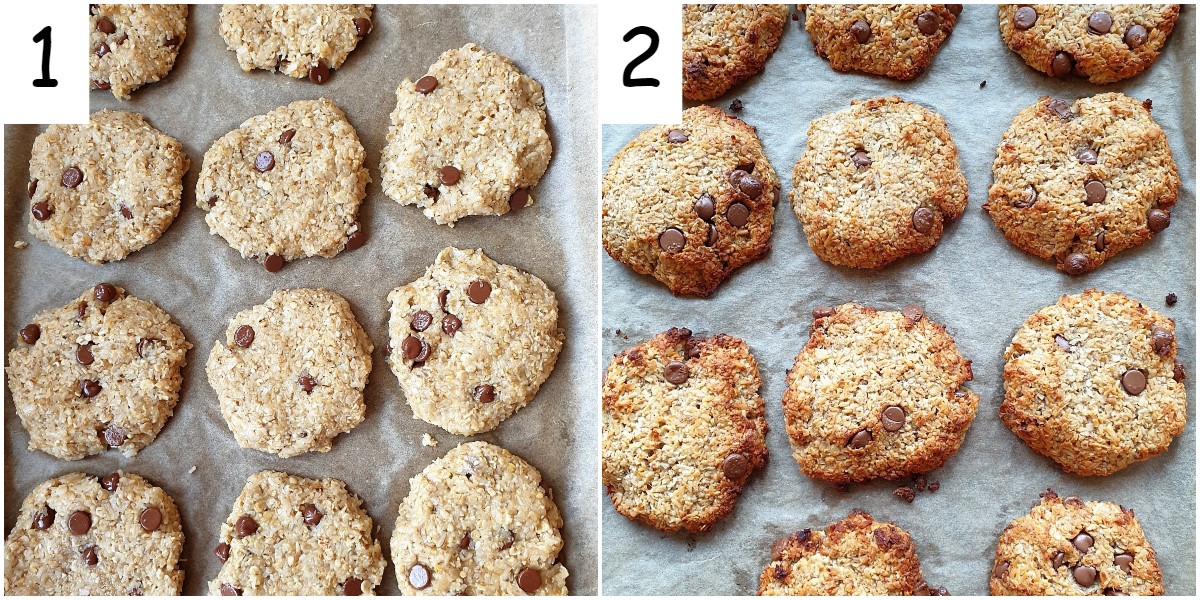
428 441
20 244
934 486
905 493
1172 299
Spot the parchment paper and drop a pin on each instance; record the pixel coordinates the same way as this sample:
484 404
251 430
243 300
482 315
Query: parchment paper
202 282
974 282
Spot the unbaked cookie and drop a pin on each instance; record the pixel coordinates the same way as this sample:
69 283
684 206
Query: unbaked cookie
79 535
468 138
101 190
299 40
896 40
879 181
1102 42
690 203
726 44
291 372
1068 547
1092 382
478 522
472 340
286 185
131 45
289 535
683 429
1078 184
101 372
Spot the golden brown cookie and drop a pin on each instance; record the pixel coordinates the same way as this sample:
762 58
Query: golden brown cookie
726 44
896 40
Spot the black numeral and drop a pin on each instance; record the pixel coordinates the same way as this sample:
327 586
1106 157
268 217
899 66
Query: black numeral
44 80
628 79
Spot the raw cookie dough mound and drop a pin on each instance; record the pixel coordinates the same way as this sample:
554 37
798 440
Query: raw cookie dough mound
116 535
291 373
897 40
1068 547
472 340
1079 184
1102 42
101 190
876 394
287 184
133 44
690 203
468 138
683 429
726 44
478 522
290 536
101 372
300 40
1092 382
879 181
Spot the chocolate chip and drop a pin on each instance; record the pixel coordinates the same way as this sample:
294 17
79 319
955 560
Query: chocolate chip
171 42
1095 192
1114 592
44 518
1136 35
1162 339
450 325
955 9
89 389
307 383
89 556
518 199
125 212
912 313
892 418
1100 243
705 207
465 542
676 136
319 73
102 49
418 576
222 552
1058 559
30 333
821 312
1084 575
1125 561
105 292
111 481
273 263
923 220
508 538
1178 374
745 183
114 436
421 321
1062 64
1061 108
712 235
245 526
529 580
1083 542
353 585
71 177
427 84
861 30
83 354
1134 382
442 296
735 466
1024 18
1000 570
311 514
362 26
244 336
212 200
737 214
1087 156
861 159
42 211
82 309
105 25
80 522
737 105
905 493
860 439
413 347
265 161
1062 343
484 394
1099 23
671 240
479 291
927 22
228 590
449 175
1171 300
101 85
150 519
356 240
676 372
1158 219
746 166
1075 264
285 138
430 192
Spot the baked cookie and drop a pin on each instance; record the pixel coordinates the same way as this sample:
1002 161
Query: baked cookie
1092 382
1102 42
133 44
1068 547
879 181
472 340
101 190
101 372
1079 184
478 522
289 535
299 40
683 429
895 40
79 535
876 394
690 203
286 185
468 138
291 372
726 44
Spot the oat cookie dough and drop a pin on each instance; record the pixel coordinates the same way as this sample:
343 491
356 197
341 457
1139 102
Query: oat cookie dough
478 522
1101 42
896 40
133 44
1093 383
115 535
1069 547
289 535
101 372
726 44
291 371
299 40
468 138
472 340
683 429
102 190
879 181
286 185
1079 183
690 203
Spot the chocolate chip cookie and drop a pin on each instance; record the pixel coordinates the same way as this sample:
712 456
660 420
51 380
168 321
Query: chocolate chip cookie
690 203
895 40
1079 183
726 44
299 40
131 45
683 429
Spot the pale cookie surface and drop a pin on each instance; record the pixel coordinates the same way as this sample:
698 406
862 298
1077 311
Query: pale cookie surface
101 372
287 184
299 40
897 40
1068 547
690 203
79 535
131 45
876 394
683 429
879 181
101 190
472 340
478 522
289 535
468 138
291 371
726 44
1078 184
1092 382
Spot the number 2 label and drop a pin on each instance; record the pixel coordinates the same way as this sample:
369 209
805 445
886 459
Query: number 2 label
627 78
